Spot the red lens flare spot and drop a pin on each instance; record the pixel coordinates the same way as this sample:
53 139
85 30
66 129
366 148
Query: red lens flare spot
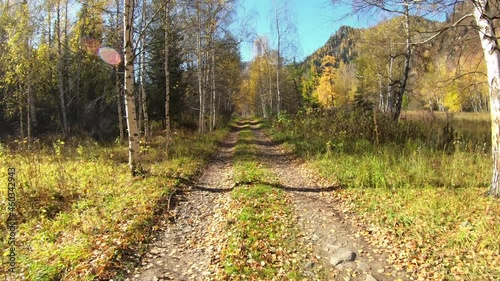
110 55
90 44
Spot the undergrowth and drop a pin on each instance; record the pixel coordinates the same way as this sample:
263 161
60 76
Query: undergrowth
80 211
418 185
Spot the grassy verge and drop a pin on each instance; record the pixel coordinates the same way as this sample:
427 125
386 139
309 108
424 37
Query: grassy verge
78 208
262 241
424 206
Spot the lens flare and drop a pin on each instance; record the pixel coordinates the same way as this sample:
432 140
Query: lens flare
110 56
90 44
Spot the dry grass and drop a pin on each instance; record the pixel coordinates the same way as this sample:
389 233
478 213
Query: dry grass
79 209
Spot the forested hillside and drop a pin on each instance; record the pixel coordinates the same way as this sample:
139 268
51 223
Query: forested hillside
447 73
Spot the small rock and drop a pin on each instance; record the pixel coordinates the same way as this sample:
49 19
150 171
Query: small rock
349 265
308 273
342 256
370 277
331 248
309 265
315 237
363 266
465 225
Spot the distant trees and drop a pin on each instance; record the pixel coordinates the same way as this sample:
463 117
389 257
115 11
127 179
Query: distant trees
66 42
54 78
260 83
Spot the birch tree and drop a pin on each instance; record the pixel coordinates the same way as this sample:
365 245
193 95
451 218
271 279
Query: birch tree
118 86
167 27
485 12
284 30
131 116
61 69
143 107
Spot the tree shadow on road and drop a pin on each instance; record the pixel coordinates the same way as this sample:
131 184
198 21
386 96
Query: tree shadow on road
305 189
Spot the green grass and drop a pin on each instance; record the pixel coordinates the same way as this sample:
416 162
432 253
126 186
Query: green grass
79 209
262 241
424 199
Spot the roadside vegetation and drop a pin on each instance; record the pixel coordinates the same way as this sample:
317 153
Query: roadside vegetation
78 208
418 184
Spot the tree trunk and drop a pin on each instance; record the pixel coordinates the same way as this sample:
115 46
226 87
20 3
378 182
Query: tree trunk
212 105
396 111
381 94
491 51
262 100
278 65
144 106
60 69
21 111
119 104
118 87
199 58
66 68
270 90
29 113
133 136
167 78
262 92
388 104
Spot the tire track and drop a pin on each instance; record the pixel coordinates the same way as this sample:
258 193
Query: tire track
189 245
338 251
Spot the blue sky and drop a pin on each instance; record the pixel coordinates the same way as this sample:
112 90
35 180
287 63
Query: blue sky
316 21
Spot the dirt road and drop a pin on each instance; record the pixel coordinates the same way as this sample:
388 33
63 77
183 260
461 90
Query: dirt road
188 247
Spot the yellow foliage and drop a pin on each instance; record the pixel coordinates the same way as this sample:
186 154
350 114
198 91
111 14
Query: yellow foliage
336 86
325 92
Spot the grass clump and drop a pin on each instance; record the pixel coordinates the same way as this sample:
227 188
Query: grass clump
417 185
78 208
262 241
261 244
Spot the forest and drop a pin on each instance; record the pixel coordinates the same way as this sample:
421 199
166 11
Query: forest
137 144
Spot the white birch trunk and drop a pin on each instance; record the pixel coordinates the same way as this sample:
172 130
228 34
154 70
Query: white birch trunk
119 104
490 46
278 65
118 87
388 103
21 112
199 58
133 136
381 94
212 104
398 100
167 78
30 112
144 106
60 68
